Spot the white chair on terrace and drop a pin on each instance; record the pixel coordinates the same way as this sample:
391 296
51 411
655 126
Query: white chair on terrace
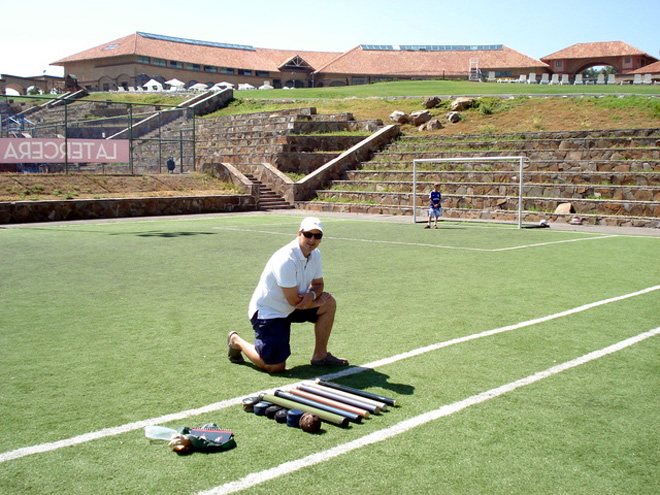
554 79
637 79
544 78
491 76
564 79
532 78
611 79
648 79
600 79
522 78
578 79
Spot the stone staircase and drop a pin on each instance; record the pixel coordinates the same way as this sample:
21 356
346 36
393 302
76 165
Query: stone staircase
607 177
268 199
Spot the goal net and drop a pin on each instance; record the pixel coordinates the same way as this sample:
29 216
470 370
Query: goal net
471 165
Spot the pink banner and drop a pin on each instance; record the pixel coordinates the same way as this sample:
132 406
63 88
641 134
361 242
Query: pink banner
52 150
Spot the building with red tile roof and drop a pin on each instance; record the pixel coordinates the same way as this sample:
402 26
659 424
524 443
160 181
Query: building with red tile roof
369 63
650 73
133 60
581 56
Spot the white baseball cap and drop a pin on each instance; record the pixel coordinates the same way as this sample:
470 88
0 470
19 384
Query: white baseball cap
310 223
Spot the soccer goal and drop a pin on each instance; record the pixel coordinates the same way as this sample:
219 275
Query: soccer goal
517 169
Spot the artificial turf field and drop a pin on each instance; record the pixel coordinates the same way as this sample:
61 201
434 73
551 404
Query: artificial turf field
526 361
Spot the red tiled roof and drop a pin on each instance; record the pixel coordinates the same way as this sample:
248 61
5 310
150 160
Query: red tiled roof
596 50
254 59
426 63
653 68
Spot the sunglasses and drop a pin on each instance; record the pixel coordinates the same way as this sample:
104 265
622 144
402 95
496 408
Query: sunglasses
309 235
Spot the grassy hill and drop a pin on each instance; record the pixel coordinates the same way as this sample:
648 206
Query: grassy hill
491 115
502 107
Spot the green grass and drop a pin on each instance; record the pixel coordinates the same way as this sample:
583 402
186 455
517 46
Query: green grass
109 323
439 87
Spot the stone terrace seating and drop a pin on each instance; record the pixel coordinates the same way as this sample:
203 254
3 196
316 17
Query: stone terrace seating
297 141
609 177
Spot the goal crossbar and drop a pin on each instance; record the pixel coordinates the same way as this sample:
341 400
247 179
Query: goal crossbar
519 159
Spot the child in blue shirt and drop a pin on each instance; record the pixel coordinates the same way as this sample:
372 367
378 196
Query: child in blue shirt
435 206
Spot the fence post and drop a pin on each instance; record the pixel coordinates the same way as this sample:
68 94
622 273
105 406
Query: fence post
181 150
160 142
66 139
130 137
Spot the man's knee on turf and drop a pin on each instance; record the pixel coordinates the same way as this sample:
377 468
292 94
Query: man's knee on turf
275 368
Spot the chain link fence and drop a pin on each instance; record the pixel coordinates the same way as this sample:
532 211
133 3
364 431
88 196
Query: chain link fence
161 138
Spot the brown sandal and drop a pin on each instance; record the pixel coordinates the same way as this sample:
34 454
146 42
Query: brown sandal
329 360
234 355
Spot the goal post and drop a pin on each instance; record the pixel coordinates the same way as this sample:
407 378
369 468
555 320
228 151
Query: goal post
513 159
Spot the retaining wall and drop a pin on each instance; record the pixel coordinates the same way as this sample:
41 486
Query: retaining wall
80 209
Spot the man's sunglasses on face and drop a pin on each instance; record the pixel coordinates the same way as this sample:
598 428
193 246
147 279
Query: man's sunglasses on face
309 235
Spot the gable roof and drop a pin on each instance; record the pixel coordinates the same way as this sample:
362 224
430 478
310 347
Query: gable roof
198 52
434 60
596 50
653 68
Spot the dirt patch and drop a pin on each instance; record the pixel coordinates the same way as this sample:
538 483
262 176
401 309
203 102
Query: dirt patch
36 187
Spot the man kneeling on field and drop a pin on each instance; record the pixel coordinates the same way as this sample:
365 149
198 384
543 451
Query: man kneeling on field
290 290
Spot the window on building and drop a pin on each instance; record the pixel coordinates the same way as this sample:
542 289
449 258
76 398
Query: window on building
143 60
159 61
193 67
558 64
262 73
210 68
245 72
176 65
227 70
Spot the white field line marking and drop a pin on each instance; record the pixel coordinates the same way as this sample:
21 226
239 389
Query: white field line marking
253 479
421 244
128 427
525 246
487 333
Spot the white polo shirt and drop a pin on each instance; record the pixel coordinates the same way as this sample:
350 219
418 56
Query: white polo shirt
288 267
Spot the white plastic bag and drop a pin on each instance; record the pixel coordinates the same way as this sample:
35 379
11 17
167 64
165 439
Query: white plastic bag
159 433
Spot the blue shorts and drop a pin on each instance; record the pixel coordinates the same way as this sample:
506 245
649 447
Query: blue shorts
272 336
435 212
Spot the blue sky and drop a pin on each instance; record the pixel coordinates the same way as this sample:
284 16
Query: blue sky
41 33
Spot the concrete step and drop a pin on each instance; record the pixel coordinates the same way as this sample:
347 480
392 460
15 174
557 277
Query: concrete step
415 145
503 177
541 135
577 166
534 155
537 190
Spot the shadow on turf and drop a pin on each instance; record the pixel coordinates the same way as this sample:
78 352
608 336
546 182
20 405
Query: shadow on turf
442 225
360 377
153 233
163 234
